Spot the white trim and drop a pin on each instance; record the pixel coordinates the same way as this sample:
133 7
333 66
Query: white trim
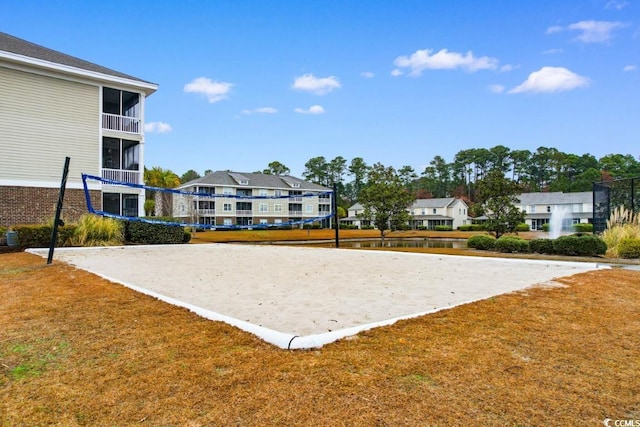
148 88
43 184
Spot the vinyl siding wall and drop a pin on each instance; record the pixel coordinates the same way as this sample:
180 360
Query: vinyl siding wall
42 121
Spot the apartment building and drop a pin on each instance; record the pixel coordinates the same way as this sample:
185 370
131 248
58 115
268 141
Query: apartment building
254 199
52 106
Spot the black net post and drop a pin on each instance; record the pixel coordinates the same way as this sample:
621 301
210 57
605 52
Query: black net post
334 202
57 221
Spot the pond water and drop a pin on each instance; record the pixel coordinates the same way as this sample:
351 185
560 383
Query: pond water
400 243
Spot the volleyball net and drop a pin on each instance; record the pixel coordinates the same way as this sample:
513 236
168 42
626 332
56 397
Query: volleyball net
205 209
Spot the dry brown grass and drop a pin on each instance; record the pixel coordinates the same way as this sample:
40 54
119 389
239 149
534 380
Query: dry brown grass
78 350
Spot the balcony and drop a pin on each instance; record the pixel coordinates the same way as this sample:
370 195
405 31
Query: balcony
244 212
121 123
128 176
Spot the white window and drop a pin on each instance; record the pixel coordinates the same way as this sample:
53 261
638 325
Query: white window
532 208
548 208
277 221
227 221
435 210
424 211
263 221
227 191
277 207
227 207
263 192
309 208
263 207
277 193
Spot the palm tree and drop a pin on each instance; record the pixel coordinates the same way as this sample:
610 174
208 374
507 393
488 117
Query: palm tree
162 178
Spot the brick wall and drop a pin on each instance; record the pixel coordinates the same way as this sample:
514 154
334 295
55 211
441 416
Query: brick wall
33 205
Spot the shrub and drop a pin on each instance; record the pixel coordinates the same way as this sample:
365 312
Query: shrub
94 230
152 234
522 227
443 228
483 243
422 227
541 246
546 227
582 228
471 227
509 244
629 248
39 236
366 227
186 238
580 245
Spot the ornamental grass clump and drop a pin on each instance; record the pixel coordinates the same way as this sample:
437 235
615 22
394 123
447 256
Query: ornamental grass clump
629 248
622 224
94 230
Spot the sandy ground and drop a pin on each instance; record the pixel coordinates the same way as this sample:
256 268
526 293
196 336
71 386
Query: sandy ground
297 297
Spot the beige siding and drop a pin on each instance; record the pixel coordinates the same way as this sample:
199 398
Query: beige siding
42 121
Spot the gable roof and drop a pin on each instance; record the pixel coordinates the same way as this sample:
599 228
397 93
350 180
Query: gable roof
18 50
255 180
422 203
555 198
433 203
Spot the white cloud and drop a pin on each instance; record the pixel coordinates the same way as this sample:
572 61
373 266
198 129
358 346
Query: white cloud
554 29
591 31
261 110
214 91
552 51
313 84
314 109
396 72
157 127
496 88
422 60
367 74
551 79
616 4
630 68
508 67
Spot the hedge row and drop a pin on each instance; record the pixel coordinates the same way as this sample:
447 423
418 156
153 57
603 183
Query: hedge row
573 245
577 228
471 227
39 236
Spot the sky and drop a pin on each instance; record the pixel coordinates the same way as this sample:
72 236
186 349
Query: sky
246 83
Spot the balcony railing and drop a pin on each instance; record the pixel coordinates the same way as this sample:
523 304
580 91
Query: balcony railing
121 123
206 212
131 177
240 212
295 213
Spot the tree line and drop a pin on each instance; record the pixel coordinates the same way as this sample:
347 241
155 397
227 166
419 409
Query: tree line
546 169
